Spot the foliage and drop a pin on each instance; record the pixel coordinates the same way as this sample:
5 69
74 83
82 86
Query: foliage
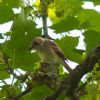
66 16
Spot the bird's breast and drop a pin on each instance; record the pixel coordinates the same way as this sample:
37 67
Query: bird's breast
48 56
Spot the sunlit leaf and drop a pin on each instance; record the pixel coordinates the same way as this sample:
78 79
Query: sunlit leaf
6 13
38 93
3 72
68 45
92 39
89 19
70 23
96 2
23 31
12 3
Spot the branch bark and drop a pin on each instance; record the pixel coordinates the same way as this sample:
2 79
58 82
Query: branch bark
44 14
21 77
70 83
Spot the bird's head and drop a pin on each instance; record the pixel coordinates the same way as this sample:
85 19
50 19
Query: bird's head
37 43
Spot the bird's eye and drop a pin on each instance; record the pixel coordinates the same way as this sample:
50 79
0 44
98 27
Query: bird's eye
36 43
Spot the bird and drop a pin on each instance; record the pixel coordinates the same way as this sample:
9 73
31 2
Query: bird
49 51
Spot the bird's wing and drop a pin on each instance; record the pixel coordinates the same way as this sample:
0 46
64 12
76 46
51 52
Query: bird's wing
57 50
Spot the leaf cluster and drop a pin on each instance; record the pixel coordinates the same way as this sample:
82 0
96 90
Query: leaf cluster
66 16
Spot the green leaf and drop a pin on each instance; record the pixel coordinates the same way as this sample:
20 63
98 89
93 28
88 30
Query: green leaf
89 19
96 2
17 50
85 25
68 45
91 39
23 31
70 23
6 13
80 51
3 73
1 37
86 0
62 97
12 3
73 7
69 7
26 62
12 90
38 93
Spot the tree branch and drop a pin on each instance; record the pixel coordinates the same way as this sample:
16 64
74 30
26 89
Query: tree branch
44 14
22 78
46 74
8 68
70 83
28 90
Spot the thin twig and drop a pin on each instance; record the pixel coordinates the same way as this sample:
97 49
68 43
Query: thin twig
4 82
11 71
8 68
28 90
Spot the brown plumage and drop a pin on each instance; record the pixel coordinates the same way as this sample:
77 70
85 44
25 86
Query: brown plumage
49 51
